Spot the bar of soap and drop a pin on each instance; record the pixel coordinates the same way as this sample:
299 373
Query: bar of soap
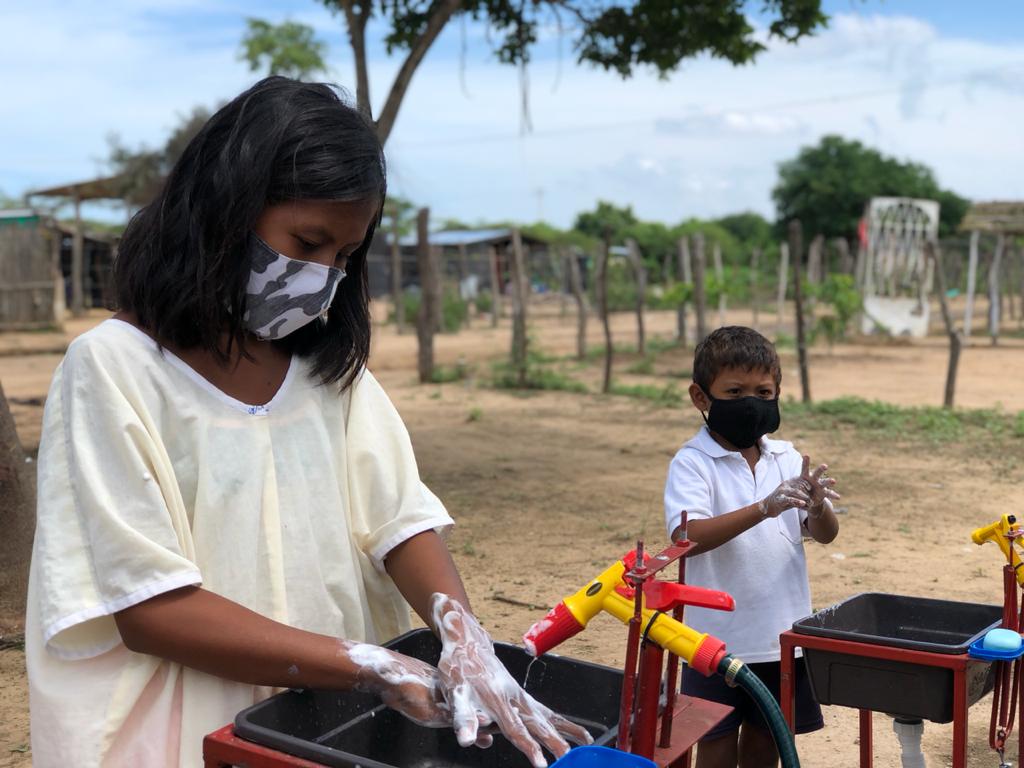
1001 640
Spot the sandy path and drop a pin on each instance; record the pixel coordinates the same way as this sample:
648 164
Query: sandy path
549 488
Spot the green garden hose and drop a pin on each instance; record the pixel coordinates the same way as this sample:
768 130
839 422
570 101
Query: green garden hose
738 673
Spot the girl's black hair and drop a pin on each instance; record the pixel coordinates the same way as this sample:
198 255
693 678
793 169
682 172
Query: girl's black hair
183 263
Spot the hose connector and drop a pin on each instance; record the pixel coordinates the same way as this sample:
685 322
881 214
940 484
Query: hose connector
733 669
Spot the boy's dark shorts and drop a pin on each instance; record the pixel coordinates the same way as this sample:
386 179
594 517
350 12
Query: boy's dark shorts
714 688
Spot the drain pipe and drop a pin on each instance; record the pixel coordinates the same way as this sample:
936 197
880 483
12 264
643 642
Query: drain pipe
909 732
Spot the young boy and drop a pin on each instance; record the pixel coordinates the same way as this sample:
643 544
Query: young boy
749 502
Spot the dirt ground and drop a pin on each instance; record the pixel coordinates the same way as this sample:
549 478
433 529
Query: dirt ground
548 488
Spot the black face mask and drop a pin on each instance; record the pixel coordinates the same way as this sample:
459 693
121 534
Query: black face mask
742 421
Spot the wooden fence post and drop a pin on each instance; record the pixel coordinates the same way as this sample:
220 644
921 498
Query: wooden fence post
755 258
602 302
396 274
955 341
463 276
495 286
640 276
686 276
780 302
699 301
845 259
795 247
430 295
520 294
78 263
972 273
576 284
994 289
716 254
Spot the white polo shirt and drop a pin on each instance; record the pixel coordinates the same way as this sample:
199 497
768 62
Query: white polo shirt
763 568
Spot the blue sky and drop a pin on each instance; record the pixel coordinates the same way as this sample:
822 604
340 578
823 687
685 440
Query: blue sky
940 82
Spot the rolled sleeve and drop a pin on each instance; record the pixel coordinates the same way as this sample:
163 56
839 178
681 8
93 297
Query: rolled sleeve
107 536
390 503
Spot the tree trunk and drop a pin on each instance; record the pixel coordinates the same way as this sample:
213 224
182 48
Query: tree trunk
699 301
716 253
994 289
520 293
438 17
430 295
780 301
17 521
972 273
396 275
576 284
795 247
755 259
357 13
492 257
640 276
683 254
955 340
602 303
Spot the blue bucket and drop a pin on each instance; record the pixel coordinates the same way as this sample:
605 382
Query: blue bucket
601 757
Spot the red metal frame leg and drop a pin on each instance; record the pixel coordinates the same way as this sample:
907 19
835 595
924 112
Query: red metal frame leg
960 717
787 693
866 739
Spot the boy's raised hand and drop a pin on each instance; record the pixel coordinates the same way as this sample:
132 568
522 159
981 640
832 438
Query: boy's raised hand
819 487
794 492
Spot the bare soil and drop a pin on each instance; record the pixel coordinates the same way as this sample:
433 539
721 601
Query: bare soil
548 488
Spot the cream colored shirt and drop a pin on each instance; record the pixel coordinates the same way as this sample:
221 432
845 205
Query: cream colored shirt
151 479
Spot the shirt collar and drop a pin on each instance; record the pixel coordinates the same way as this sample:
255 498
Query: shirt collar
705 443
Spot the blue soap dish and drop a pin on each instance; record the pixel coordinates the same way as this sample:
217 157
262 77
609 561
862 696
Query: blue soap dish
977 650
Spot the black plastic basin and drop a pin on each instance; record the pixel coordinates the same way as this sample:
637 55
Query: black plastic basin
901 688
346 729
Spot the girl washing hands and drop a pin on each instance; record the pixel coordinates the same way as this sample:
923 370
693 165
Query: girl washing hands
228 501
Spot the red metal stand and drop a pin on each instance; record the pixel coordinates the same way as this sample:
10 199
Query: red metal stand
956 662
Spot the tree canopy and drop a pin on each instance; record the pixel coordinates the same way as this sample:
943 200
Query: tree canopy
615 35
288 49
827 185
143 169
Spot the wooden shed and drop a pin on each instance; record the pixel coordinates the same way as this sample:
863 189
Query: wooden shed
31 285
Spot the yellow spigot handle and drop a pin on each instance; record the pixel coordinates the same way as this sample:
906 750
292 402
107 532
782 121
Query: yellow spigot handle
1002 532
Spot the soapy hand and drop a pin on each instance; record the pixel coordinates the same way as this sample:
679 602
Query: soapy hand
481 692
819 488
794 492
403 683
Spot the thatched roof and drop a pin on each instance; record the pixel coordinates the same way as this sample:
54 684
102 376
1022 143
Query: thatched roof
94 189
1006 217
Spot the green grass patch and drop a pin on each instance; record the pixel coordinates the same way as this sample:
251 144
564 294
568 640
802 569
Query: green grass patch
668 396
644 366
505 376
895 421
657 345
445 375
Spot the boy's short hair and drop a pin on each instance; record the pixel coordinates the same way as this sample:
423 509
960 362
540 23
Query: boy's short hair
734 346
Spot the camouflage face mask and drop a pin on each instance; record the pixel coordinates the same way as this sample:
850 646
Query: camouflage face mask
285 294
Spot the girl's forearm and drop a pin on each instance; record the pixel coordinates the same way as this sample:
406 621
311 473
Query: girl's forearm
710 533
204 631
422 566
